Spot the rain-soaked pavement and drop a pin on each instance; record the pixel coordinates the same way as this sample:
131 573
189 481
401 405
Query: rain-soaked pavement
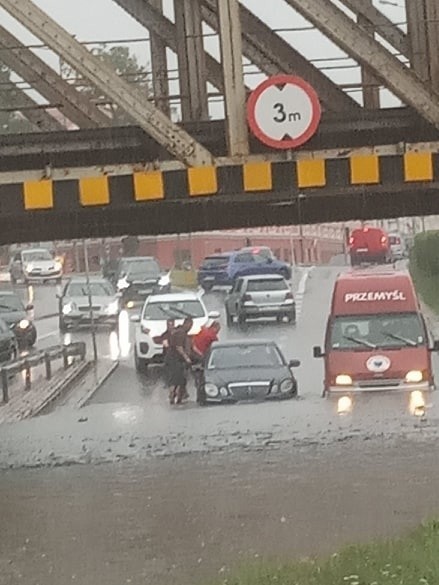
292 478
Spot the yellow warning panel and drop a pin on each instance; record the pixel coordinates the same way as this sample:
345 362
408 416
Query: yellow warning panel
258 176
418 166
94 191
38 194
202 181
311 173
149 186
365 170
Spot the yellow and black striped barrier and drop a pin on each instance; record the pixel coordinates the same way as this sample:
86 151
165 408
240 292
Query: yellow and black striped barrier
291 177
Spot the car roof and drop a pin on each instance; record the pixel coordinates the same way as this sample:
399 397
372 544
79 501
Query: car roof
245 341
137 258
36 250
8 292
82 279
168 298
218 254
263 277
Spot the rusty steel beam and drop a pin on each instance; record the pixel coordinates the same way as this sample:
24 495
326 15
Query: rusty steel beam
273 55
76 107
377 22
159 62
146 14
38 117
357 43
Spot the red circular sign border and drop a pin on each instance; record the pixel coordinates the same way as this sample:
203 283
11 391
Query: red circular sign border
293 142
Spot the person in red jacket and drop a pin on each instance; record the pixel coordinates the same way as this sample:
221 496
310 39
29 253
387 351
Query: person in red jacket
201 345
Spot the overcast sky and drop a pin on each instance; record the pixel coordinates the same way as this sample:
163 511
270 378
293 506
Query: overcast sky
103 20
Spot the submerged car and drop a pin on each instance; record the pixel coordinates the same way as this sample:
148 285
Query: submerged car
35 265
248 370
152 323
15 314
74 303
138 277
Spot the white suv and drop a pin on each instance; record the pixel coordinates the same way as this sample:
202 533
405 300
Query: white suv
151 323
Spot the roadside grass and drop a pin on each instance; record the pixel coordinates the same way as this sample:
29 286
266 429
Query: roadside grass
411 560
427 286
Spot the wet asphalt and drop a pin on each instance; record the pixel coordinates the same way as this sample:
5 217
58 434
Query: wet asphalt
189 493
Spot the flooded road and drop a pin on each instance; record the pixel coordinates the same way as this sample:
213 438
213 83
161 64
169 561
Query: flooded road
190 520
190 492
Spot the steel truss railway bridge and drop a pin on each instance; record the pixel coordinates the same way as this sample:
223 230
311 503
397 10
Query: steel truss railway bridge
157 176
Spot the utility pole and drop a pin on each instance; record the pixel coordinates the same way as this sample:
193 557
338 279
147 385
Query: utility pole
90 302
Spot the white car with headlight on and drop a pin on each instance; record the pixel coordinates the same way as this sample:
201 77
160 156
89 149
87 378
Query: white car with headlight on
152 323
35 265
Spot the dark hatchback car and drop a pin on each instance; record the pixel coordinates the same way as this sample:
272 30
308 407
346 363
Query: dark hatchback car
15 314
8 343
248 370
138 277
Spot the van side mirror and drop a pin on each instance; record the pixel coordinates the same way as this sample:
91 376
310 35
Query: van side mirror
317 352
294 363
435 345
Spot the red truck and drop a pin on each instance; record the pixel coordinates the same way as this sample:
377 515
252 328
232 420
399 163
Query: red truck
369 245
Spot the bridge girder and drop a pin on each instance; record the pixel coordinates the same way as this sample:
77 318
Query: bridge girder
178 142
394 75
38 117
76 107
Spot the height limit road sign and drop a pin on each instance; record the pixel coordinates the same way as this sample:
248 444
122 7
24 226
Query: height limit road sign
284 111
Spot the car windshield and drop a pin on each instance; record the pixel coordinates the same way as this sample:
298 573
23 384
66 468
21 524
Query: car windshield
393 330
245 356
141 268
159 311
266 285
10 303
37 256
97 289
214 261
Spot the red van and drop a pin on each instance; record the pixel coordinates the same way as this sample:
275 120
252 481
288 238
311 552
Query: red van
369 245
376 337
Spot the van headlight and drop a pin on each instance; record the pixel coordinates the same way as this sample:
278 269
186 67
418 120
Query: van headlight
58 266
68 308
24 324
122 283
414 376
343 380
211 390
164 280
286 385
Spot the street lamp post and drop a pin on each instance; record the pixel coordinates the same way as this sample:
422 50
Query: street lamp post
90 302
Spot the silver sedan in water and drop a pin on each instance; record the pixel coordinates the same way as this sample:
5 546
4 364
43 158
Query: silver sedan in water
74 303
248 370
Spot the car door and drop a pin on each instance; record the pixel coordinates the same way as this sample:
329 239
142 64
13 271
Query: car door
232 300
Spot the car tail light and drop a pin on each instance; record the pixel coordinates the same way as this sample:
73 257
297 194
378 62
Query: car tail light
145 330
351 241
365 230
246 298
289 295
383 240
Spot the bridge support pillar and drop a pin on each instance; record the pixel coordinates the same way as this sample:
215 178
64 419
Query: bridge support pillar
235 95
191 60
371 85
159 65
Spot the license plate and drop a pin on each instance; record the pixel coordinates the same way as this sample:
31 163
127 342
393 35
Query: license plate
144 292
209 278
362 250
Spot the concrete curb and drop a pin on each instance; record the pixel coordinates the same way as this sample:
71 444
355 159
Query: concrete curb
97 385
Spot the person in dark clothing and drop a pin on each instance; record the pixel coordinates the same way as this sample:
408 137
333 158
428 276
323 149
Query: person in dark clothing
165 340
178 360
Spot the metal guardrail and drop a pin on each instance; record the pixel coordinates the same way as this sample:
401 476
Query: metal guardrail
46 356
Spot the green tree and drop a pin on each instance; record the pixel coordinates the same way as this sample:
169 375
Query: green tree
126 65
11 121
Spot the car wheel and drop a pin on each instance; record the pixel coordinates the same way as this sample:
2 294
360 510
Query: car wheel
229 319
292 317
13 279
241 320
140 363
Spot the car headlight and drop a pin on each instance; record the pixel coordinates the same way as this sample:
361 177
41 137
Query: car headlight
123 283
343 380
28 267
164 280
113 308
211 390
58 265
274 388
68 308
24 324
414 376
286 385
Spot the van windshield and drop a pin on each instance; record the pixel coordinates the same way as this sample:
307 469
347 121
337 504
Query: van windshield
393 330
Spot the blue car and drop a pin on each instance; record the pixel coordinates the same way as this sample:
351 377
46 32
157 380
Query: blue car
223 269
